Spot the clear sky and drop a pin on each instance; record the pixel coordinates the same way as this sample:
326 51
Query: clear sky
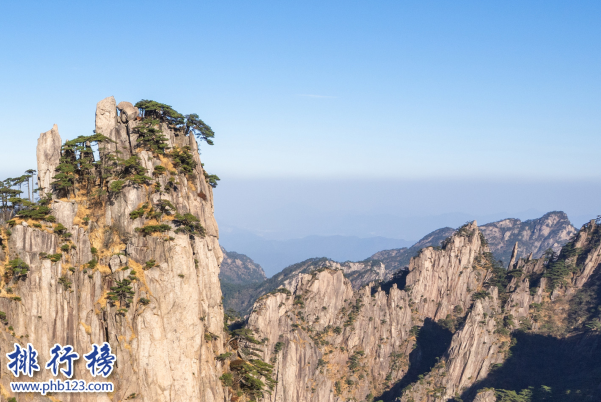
336 90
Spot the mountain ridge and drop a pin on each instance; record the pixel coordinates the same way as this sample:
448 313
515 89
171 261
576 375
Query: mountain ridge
238 268
535 236
552 229
457 301
275 255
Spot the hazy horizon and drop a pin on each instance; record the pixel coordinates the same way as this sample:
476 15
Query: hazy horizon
281 209
271 220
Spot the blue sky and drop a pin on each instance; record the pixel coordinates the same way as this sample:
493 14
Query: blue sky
336 90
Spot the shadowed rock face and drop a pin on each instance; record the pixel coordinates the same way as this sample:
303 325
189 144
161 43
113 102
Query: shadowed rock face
473 351
162 352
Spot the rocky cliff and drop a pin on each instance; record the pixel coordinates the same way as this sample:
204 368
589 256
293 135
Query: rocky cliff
328 341
240 297
123 248
534 236
446 329
550 304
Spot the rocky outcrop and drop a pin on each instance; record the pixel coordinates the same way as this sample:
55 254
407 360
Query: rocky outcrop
542 296
329 342
240 269
167 333
364 272
325 337
48 154
127 112
475 348
106 116
107 124
587 240
444 280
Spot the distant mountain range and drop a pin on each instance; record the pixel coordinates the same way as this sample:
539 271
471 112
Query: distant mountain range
275 255
238 268
533 236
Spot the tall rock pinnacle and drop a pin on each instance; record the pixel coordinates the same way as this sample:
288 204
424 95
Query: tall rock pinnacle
514 255
48 155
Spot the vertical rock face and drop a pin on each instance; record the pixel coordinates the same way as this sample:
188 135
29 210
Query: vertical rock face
323 334
161 336
474 349
48 154
444 280
329 342
514 254
107 124
586 240
550 307
106 116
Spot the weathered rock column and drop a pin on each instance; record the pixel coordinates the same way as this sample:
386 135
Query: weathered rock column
48 154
